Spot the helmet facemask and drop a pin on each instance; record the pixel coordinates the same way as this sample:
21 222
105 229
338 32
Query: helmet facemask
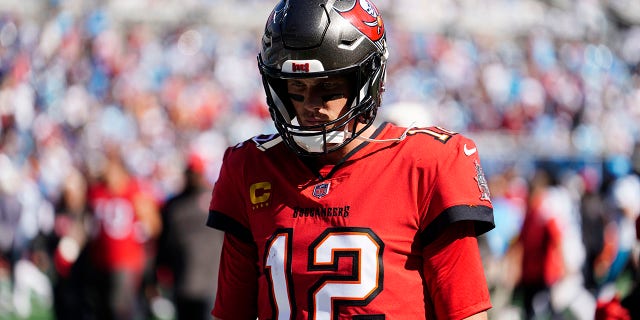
361 107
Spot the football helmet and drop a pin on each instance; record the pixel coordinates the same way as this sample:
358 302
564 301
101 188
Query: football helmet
322 38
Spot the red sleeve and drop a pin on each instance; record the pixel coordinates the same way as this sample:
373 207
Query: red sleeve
454 273
460 178
227 194
237 293
227 211
460 191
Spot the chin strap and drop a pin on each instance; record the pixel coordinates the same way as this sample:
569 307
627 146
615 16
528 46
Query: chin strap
315 142
398 139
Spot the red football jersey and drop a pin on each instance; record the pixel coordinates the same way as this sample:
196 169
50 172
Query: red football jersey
118 241
347 242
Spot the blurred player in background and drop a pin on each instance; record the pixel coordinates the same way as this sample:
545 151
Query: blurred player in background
187 248
126 219
336 217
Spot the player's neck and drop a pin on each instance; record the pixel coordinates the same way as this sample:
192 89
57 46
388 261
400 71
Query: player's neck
337 156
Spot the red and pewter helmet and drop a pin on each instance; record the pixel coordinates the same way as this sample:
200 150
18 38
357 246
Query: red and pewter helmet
321 38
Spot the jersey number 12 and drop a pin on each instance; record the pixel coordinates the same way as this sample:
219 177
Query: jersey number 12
331 291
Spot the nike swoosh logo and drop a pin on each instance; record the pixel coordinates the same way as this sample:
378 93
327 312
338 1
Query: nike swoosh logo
468 151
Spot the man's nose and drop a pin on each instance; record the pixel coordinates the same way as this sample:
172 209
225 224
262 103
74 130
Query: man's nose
313 100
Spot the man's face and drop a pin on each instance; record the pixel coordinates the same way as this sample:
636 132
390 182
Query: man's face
318 100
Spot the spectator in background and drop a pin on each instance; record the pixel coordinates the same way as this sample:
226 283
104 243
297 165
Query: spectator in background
126 218
593 214
630 301
10 211
68 243
625 208
539 244
187 248
508 196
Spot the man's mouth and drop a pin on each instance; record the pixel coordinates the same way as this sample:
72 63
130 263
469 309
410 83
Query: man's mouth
308 122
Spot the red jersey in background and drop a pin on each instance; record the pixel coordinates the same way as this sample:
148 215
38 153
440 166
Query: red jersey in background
118 241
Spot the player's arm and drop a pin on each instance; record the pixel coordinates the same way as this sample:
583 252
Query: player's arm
237 294
454 274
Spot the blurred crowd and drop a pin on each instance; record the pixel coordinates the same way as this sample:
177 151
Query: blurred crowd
112 128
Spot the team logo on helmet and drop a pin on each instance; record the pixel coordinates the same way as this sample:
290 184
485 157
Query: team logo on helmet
365 17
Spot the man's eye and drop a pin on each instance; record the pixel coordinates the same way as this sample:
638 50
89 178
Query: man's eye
296 97
330 85
334 96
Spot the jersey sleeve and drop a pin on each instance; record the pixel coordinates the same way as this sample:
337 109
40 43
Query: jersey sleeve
459 192
227 211
454 274
237 293
236 296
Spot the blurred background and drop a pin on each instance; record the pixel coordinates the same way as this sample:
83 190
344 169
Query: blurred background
100 99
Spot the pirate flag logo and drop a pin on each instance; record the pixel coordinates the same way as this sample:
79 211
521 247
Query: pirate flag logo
365 17
483 185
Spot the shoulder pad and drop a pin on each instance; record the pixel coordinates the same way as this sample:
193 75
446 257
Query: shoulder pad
438 133
265 141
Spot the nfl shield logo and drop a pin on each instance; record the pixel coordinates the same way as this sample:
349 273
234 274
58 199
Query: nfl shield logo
321 190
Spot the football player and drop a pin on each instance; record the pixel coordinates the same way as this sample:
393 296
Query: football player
336 217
